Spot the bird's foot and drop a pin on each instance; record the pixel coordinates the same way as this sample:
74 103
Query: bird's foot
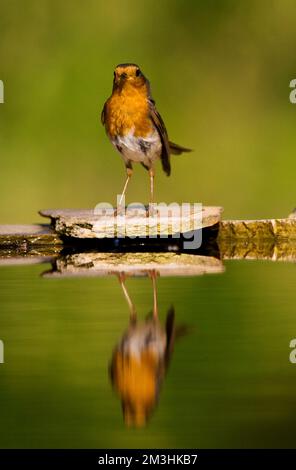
151 210
119 211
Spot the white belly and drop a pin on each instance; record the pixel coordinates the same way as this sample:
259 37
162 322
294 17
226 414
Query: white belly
143 150
144 337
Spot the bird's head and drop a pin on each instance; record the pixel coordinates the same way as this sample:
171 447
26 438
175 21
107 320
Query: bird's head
128 75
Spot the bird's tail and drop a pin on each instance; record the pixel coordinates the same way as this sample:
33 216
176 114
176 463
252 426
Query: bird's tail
178 149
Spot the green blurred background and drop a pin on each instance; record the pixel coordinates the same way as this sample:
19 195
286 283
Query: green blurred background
220 74
229 384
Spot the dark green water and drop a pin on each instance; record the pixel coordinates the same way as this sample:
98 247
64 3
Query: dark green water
229 382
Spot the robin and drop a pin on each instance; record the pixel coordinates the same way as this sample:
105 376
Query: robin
141 358
134 125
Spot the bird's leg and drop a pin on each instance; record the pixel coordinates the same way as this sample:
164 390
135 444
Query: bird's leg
152 210
132 308
153 275
129 172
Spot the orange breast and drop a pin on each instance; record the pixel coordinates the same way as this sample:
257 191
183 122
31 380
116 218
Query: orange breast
128 110
136 377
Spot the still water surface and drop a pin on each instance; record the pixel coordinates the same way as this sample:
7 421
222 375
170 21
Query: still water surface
224 379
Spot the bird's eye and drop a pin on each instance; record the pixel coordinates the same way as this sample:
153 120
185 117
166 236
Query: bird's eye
138 72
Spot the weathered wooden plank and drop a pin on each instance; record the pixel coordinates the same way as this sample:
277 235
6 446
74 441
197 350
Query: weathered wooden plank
91 224
23 260
23 236
266 229
269 239
257 236
257 249
134 264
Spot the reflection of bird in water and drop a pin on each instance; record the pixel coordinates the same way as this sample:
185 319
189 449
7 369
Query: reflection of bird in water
140 360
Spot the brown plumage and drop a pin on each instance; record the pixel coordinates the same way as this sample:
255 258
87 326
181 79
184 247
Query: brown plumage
134 125
141 358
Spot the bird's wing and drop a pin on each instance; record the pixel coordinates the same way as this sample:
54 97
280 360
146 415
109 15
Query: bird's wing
159 124
170 334
103 114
